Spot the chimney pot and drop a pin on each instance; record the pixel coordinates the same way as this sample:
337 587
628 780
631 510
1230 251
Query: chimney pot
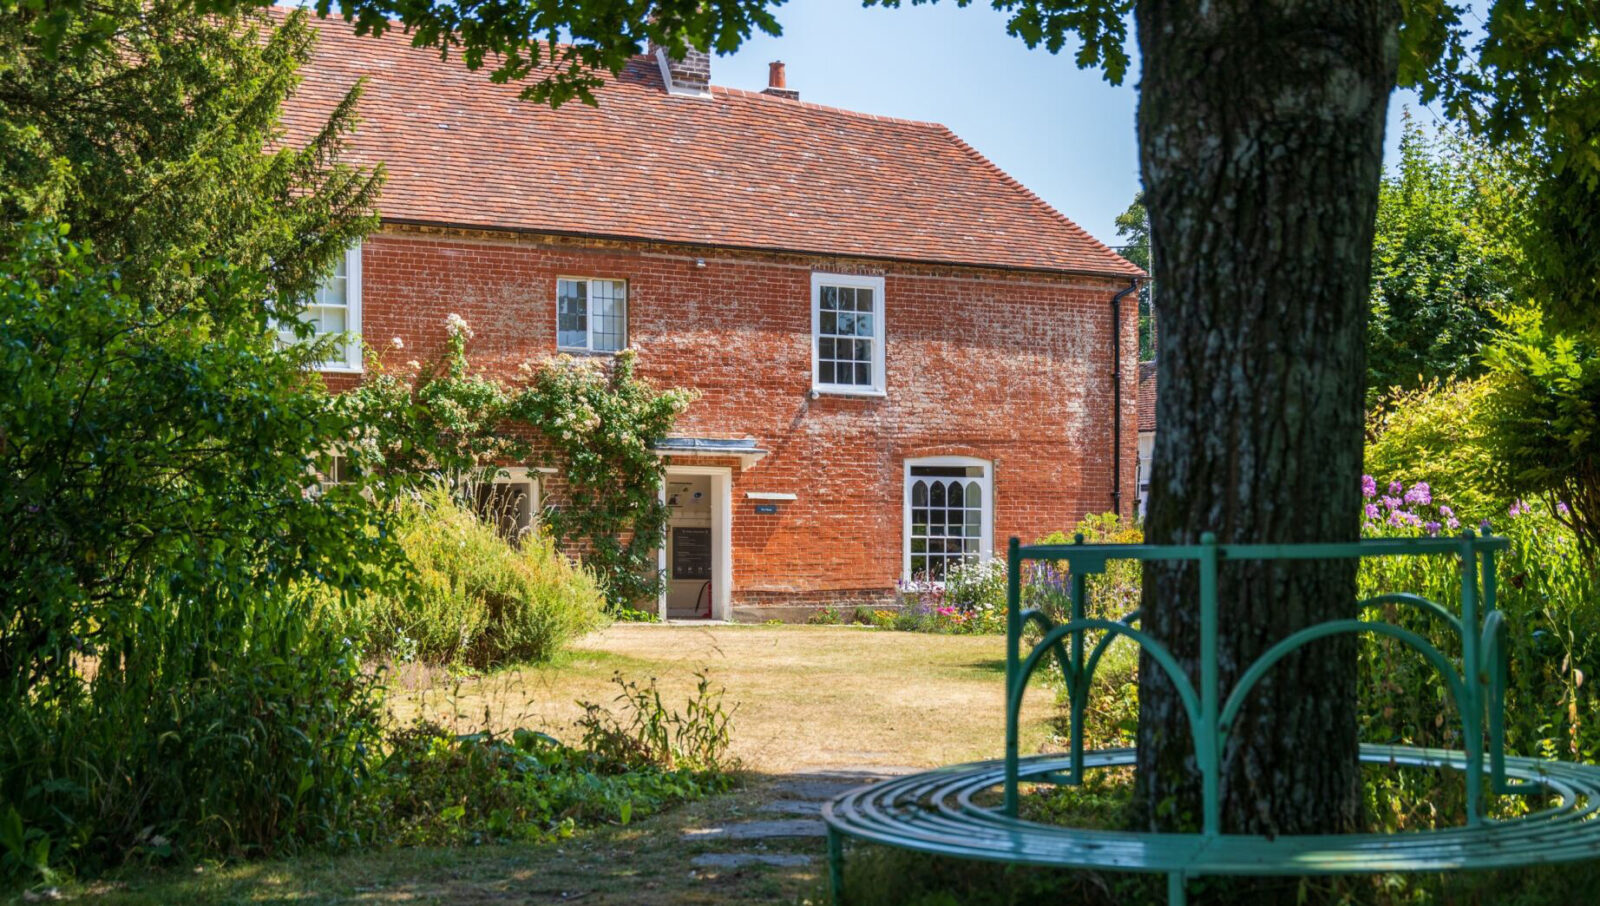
778 83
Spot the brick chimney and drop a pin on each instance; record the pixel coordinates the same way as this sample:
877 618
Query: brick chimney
777 84
689 76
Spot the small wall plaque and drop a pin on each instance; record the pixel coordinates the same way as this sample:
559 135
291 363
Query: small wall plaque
766 508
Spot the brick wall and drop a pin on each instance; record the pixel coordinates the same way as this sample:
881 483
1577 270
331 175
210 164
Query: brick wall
1014 368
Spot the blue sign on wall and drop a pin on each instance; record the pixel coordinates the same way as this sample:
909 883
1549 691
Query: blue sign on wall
766 508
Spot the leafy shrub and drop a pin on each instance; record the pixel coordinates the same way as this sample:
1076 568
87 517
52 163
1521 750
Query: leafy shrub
477 600
242 729
1436 434
1544 425
163 685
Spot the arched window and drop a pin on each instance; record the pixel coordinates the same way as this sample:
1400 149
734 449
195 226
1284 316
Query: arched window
948 515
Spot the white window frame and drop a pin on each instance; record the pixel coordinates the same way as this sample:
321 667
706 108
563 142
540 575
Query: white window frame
350 362
588 318
985 483
507 475
855 281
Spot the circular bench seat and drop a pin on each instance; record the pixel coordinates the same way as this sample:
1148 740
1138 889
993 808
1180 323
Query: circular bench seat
936 812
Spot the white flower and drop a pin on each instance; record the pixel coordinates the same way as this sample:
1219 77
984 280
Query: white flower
457 326
398 343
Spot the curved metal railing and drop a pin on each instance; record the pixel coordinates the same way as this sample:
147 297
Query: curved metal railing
1477 690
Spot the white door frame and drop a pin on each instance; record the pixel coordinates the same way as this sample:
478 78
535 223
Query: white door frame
721 539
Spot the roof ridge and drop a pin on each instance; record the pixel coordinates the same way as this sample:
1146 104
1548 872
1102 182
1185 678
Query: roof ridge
826 108
1045 206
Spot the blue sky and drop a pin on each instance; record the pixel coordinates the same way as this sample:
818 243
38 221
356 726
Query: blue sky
1065 133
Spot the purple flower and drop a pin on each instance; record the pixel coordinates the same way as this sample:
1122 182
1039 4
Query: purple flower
1431 528
1420 493
1444 510
1372 511
1392 503
1520 508
1396 488
1561 507
1452 523
1395 518
1369 486
1485 526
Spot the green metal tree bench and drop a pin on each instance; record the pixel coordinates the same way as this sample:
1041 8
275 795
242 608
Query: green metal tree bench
949 811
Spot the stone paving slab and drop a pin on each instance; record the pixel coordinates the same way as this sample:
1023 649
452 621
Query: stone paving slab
759 830
745 860
792 806
824 785
818 790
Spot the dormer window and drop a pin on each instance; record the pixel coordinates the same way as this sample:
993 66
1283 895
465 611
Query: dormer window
591 314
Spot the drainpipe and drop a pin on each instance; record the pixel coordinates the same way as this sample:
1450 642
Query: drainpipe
1116 396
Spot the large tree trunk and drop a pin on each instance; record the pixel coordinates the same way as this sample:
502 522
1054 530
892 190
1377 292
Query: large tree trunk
1261 134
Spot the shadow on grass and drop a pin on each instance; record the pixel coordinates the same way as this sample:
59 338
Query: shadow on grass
879 876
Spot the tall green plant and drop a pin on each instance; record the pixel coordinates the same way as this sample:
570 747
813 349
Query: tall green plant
477 600
598 425
1544 420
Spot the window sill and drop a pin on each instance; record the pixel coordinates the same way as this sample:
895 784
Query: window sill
848 391
579 350
338 369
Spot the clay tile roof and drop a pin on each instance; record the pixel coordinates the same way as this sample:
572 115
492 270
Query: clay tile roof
1147 396
738 169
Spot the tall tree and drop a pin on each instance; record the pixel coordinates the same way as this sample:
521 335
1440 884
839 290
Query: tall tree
1260 135
1261 212
1445 260
152 433
1133 226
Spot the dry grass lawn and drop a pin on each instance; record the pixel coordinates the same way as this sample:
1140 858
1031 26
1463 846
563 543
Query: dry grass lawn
808 697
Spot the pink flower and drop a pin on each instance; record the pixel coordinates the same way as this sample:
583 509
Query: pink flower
1392 503
1444 510
1420 493
1369 486
1372 511
1396 488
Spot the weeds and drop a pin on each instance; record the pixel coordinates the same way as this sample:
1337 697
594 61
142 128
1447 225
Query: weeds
652 734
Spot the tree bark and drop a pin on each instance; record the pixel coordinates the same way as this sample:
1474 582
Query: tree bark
1261 137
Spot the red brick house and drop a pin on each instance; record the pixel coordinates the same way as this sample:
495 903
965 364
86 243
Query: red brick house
903 356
